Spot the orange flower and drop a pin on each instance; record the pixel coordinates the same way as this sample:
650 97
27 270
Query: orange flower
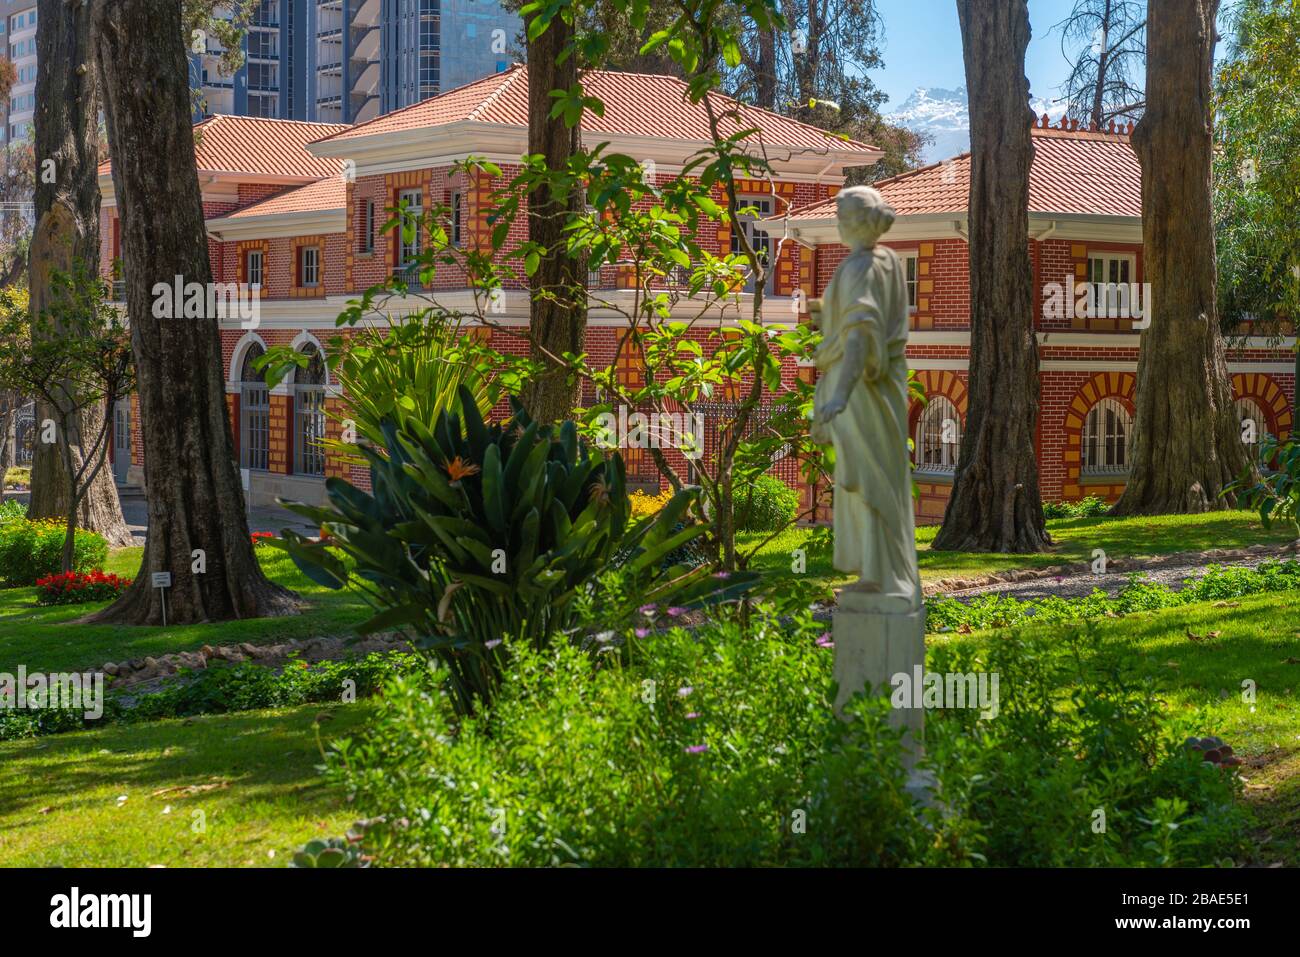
458 469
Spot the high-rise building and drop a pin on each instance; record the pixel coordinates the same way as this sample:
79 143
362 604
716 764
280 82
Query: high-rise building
18 33
347 61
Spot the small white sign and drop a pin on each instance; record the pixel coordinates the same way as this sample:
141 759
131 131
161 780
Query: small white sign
246 478
162 579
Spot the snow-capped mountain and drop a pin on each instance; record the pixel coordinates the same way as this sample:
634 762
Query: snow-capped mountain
943 114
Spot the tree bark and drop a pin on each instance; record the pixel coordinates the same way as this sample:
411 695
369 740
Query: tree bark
555 327
995 504
67 231
195 501
1186 438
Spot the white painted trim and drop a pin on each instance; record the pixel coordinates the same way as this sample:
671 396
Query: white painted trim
301 340
1269 368
279 225
953 225
921 362
237 354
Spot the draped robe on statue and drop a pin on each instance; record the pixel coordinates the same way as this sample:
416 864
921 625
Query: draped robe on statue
874 524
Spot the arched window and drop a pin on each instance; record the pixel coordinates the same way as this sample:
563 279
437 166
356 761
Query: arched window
938 436
1253 425
309 413
1106 436
254 413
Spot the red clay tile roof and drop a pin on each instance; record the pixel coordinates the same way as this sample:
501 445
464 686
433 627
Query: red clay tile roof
636 104
324 194
268 147
1073 172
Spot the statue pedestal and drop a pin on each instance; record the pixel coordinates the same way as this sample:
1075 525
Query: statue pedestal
877 637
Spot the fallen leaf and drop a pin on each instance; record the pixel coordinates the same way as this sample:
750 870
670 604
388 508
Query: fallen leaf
190 789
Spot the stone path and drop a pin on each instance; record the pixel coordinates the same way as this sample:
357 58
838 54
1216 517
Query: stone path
1170 570
271 519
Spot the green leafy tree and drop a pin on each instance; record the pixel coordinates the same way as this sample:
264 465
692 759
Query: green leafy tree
1257 164
74 356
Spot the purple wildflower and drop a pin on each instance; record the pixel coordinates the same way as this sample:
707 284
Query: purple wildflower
697 748
647 609
489 645
825 640
684 690
692 716
675 611
642 632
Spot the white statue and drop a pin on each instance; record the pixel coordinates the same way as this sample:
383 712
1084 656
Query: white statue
860 404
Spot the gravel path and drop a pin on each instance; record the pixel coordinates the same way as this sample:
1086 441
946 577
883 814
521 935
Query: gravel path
1076 586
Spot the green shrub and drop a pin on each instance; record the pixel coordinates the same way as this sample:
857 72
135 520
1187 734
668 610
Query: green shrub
994 610
478 538
12 510
718 748
34 549
1082 765
765 505
1087 507
223 688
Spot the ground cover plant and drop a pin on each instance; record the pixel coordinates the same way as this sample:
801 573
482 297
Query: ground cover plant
1219 583
649 758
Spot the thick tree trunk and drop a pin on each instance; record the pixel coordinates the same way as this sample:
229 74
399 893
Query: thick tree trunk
67 232
1186 438
995 504
555 327
194 497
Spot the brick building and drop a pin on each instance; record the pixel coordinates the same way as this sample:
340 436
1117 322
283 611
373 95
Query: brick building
297 209
1085 227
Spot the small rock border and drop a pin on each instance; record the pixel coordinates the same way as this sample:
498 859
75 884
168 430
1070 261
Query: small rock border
150 668
944 586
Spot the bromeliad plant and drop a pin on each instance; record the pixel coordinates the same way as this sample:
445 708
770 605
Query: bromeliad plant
478 536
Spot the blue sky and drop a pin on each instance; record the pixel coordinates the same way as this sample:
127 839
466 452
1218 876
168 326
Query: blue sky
922 47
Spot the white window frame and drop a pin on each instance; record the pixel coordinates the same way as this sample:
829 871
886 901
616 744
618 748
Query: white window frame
759 241
407 253
253 277
1110 440
309 420
457 229
308 266
1110 261
367 226
928 441
911 276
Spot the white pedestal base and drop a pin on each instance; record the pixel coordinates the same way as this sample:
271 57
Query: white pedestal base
877 637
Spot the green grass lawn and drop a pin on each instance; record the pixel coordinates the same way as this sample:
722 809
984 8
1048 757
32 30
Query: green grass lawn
271 798
1258 641
1074 540
43 639
61 796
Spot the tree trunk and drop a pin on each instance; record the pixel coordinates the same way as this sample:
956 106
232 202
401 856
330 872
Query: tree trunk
555 327
67 231
1186 438
995 504
197 528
